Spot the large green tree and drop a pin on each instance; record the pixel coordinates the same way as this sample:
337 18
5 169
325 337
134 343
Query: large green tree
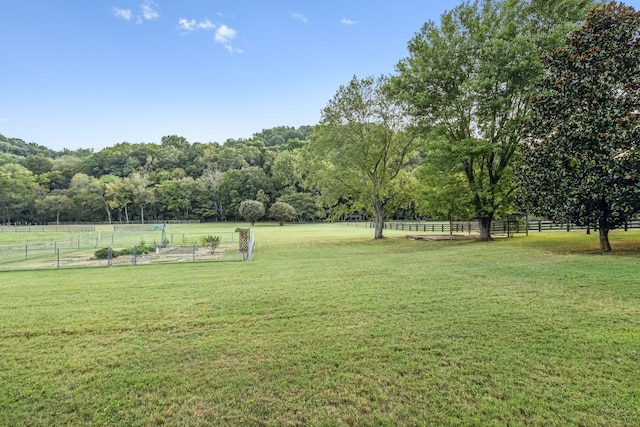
176 196
208 197
582 160
365 140
53 204
17 191
140 191
303 203
86 194
469 82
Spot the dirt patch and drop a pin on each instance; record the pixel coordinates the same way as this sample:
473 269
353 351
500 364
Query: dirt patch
171 254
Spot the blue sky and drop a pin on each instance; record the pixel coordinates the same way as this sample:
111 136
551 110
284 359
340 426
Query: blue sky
93 73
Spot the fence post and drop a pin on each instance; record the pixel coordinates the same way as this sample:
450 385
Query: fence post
26 251
109 256
133 255
58 258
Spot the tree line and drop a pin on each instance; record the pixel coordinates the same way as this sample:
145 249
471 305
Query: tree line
503 107
171 180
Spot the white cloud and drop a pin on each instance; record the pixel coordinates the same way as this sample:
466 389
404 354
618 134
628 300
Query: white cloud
346 21
147 12
232 49
225 34
123 13
147 8
189 25
299 17
206 25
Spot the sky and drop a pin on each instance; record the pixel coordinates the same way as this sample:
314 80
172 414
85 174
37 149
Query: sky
94 73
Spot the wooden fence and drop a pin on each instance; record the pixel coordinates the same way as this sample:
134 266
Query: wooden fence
497 226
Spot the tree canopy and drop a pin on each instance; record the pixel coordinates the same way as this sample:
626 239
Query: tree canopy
582 159
251 210
469 82
366 142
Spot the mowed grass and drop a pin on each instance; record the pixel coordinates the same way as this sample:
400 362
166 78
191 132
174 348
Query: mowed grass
328 327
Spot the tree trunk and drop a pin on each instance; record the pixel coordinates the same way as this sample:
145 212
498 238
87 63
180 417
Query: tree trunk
126 213
106 206
379 219
485 228
141 214
605 246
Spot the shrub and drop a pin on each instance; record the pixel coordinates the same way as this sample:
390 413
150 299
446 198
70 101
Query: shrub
211 241
281 212
251 210
103 253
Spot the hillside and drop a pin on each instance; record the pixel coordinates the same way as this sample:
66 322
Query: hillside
18 147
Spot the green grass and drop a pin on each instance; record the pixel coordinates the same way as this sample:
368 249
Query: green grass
329 327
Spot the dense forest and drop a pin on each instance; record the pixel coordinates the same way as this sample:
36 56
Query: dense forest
170 180
475 119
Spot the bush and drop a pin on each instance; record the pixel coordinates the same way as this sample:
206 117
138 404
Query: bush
281 212
211 241
103 253
251 210
190 240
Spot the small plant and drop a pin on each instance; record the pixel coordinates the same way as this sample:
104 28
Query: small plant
102 253
190 241
211 241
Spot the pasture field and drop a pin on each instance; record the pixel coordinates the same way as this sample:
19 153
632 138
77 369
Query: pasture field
328 327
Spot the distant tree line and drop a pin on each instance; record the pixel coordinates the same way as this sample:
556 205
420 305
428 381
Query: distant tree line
174 179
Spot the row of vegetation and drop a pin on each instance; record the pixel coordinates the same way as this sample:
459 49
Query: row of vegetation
504 107
105 253
209 241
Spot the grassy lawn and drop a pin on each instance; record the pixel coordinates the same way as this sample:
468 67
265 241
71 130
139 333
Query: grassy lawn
328 327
